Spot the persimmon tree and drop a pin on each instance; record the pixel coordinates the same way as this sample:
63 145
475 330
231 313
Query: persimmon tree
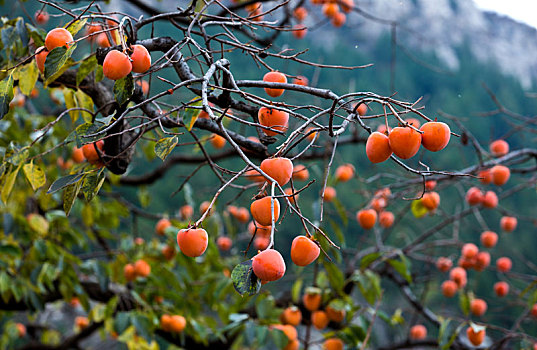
154 195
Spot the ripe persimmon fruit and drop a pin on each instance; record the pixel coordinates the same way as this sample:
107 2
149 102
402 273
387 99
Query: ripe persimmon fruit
319 319
162 225
476 338
418 332
469 250
274 77
501 288
499 148
193 241
291 315
41 54
224 243
129 272
478 307
312 298
339 19
329 193
444 264
274 119
449 288
435 136
141 59
430 200
218 141
116 65
490 200
58 37
142 268
489 239
280 169
333 344
304 251
78 155
405 142
261 210
300 173
508 223
500 174
268 265
366 218
474 196
90 151
504 264
344 172
377 147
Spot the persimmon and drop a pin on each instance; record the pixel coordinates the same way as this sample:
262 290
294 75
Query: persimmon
78 155
186 211
430 185
168 252
193 241
268 265
141 59
474 196
304 251
319 319
430 200
58 37
476 338
301 80
333 344
499 148
500 174
386 219
366 218
501 288
478 307
274 119
458 275
177 323
91 29
299 32
242 215
405 142
485 176
377 147
162 225
261 243
435 136
533 310
292 345
204 115
346 5
102 40
444 264
274 77
218 141
378 204
254 176
258 229
449 288
312 298
116 65
289 330
204 206
490 200
482 261
335 315
280 169
312 134
41 17
330 9
339 19
504 264
165 322
300 173
300 13
362 109
469 250
81 322
74 302
139 241
418 332
21 329
291 315
489 239
41 54
144 85
129 272
329 193
508 223
467 263
414 122
382 129
261 210
344 172
224 243
142 268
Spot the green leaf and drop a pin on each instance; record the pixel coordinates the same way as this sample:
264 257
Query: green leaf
76 26
86 67
341 211
35 175
10 250
8 184
123 89
69 197
56 59
369 259
335 276
92 184
279 338
402 267
164 146
295 290
6 95
84 101
244 279
28 75
464 303
82 132
37 34
418 209
70 102
191 115
65 181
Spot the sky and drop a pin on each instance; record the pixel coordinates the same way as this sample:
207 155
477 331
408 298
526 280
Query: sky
520 10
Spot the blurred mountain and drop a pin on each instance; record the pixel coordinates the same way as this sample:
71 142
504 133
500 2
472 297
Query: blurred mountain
442 27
